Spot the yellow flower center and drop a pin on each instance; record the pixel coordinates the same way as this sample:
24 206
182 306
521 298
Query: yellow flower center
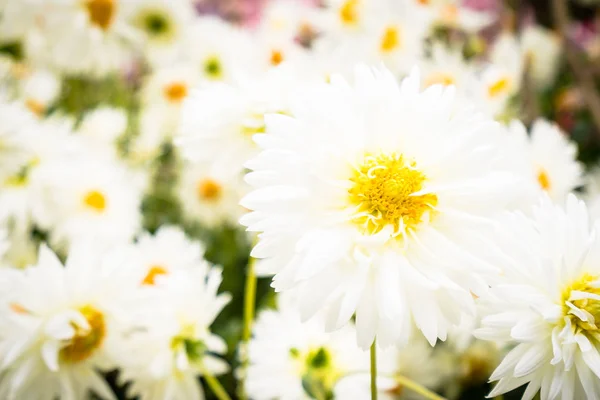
390 39
35 107
101 12
383 193
153 272
318 369
498 87
581 303
86 339
276 57
349 12
440 78
95 200
209 190
543 179
175 92
213 68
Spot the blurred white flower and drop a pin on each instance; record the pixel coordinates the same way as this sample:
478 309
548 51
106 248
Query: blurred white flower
542 49
175 344
375 199
548 304
61 325
102 127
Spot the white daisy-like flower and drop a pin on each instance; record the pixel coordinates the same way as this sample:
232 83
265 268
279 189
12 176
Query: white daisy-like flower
90 36
352 17
447 67
495 87
211 196
61 325
165 252
102 127
18 16
87 196
17 126
288 20
547 159
542 49
175 345
38 89
219 51
451 13
416 362
548 304
292 360
374 199
164 25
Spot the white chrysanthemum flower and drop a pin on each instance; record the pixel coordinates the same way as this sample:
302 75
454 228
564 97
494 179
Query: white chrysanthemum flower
288 20
547 159
165 252
90 36
494 89
219 51
102 127
17 127
219 119
416 362
447 67
60 325
38 89
211 196
18 16
352 17
176 345
361 212
451 13
85 197
548 304
164 25
542 49
291 360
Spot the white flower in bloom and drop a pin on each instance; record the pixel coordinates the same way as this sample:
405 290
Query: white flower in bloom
447 67
288 20
87 197
176 345
38 89
164 24
102 127
90 37
219 51
60 325
291 360
541 47
451 13
211 196
374 199
165 252
17 126
416 361
547 159
548 304
18 16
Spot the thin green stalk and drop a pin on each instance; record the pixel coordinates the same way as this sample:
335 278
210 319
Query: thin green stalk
415 387
214 384
374 370
249 307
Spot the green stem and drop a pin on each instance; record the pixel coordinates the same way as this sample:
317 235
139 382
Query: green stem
214 384
415 387
249 306
374 370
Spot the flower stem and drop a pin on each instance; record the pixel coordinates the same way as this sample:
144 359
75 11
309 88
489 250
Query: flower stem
249 306
374 370
415 387
214 384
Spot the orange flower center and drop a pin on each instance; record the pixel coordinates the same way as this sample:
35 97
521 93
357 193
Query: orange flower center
543 179
155 270
209 190
276 57
95 200
176 92
101 12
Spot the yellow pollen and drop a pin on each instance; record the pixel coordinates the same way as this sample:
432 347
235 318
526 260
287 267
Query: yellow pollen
390 39
19 309
498 87
95 200
382 192
175 92
276 57
85 341
349 12
155 270
101 12
440 78
543 179
35 107
587 284
209 190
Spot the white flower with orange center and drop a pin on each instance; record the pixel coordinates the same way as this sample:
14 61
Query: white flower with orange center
176 345
62 325
548 306
87 197
165 252
374 199
547 158
210 196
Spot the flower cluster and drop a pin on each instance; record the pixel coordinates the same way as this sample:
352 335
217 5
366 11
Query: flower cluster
410 175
